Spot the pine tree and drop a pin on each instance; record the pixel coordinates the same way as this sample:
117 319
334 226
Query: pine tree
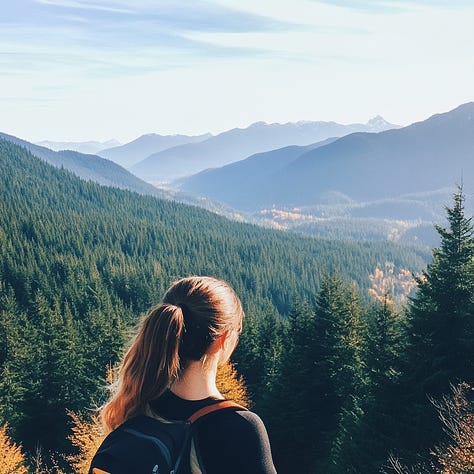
339 314
371 430
440 328
290 404
258 354
14 356
315 395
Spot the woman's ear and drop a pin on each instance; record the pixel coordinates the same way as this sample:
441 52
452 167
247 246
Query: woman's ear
218 344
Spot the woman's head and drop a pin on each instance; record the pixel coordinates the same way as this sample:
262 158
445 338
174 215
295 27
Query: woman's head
195 312
209 307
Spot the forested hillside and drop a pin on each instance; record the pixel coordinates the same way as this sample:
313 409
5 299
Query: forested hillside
89 167
80 262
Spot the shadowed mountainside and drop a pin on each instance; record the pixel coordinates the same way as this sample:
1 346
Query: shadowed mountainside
424 157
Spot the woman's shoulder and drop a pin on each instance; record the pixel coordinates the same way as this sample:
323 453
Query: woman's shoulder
237 439
236 420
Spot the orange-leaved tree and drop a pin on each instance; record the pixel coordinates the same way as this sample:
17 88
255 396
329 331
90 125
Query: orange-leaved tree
457 415
12 460
456 456
87 434
232 385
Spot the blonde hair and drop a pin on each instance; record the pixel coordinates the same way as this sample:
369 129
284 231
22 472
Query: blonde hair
195 312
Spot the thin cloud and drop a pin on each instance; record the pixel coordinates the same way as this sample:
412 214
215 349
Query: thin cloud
184 15
116 35
84 6
396 6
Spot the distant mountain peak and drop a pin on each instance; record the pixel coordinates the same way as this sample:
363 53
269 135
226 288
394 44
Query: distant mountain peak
378 124
261 123
377 119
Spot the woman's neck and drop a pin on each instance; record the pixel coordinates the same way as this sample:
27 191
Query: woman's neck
197 381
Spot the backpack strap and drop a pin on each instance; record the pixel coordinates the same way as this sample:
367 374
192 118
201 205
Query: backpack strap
194 454
214 407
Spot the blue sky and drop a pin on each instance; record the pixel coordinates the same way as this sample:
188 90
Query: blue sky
100 69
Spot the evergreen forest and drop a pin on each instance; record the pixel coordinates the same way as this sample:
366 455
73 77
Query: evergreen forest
348 373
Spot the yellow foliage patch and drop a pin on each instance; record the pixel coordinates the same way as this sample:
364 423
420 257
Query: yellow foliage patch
457 415
389 286
87 434
231 385
11 458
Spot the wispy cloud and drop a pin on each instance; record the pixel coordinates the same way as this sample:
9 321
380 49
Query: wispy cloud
396 6
186 14
198 65
84 5
112 35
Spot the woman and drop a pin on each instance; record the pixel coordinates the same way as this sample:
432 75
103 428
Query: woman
170 372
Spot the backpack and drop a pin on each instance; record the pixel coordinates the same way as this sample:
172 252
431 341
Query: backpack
146 445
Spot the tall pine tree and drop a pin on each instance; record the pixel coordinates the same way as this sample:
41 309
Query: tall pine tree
440 328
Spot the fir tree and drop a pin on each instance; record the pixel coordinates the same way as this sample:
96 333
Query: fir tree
291 404
320 380
440 328
342 329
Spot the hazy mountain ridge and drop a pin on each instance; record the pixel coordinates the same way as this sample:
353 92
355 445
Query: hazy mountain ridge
137 150
239 143
88 147
394 183
236 182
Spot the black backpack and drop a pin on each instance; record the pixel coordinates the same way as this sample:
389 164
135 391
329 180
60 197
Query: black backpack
145 445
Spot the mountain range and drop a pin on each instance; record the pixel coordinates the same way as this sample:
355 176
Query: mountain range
137 150
89 147
239 143
395 182
363 172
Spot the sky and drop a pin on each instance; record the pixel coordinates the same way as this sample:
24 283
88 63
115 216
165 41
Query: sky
117 69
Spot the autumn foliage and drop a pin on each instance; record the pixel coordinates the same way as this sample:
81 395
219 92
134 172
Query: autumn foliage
389 286
11 458
457 416
456 455
231 385
86 437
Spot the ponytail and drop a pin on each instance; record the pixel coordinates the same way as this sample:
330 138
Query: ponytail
149 366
